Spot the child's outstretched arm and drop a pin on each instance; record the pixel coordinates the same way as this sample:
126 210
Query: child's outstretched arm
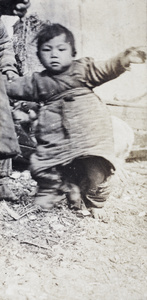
133 55
104 71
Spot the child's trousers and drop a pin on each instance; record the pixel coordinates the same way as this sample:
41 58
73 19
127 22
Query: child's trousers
83 180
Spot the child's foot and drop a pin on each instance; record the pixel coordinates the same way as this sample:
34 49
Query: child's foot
74 196
46 199
99 214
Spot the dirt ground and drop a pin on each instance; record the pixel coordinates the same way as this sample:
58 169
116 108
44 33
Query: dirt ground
61 255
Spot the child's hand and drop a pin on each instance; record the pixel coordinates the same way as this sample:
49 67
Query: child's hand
11 75
133 55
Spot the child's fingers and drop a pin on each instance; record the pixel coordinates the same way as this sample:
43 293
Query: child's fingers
136 54
142 48
142 55
141 52
139 56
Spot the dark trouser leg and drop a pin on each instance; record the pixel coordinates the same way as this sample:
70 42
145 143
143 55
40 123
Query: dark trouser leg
86 180
72 174
95 187
49 192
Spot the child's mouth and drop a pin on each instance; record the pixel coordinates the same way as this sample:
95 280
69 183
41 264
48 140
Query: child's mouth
55 64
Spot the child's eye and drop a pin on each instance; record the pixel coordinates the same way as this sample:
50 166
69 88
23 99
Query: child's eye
62 49
46 49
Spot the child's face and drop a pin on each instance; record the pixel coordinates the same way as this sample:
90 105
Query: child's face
56 54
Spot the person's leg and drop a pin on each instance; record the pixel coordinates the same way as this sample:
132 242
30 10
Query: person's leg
9 146
5 171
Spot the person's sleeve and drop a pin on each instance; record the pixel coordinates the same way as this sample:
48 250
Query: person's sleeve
101 72
7 61
22 88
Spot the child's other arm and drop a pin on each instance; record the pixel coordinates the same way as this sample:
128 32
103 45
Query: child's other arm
22 88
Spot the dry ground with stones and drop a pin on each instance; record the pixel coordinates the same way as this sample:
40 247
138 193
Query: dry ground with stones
59 255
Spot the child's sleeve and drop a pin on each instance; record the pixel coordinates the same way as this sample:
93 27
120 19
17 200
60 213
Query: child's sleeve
22 88
7 62
101 72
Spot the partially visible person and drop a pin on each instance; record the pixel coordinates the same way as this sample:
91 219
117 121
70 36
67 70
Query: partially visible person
14 7
8 140
75 146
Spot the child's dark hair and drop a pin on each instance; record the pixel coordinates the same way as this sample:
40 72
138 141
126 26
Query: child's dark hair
49 31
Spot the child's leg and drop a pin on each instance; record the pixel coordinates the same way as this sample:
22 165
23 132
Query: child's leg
86 181
71 174
49 192
96 188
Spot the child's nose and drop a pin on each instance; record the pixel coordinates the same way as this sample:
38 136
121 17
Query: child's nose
54 53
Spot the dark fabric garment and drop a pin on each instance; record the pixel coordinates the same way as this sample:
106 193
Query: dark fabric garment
8 140
70 129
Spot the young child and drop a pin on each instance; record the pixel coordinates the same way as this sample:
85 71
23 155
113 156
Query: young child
75 151
8 140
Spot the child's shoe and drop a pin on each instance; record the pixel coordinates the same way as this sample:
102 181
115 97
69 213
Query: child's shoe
47 198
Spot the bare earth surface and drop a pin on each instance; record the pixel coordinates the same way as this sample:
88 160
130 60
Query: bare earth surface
60 255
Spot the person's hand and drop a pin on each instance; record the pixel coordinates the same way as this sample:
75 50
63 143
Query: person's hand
11 75
135 55
21 7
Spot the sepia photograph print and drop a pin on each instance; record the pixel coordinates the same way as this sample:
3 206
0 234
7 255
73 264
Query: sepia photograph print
73 150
